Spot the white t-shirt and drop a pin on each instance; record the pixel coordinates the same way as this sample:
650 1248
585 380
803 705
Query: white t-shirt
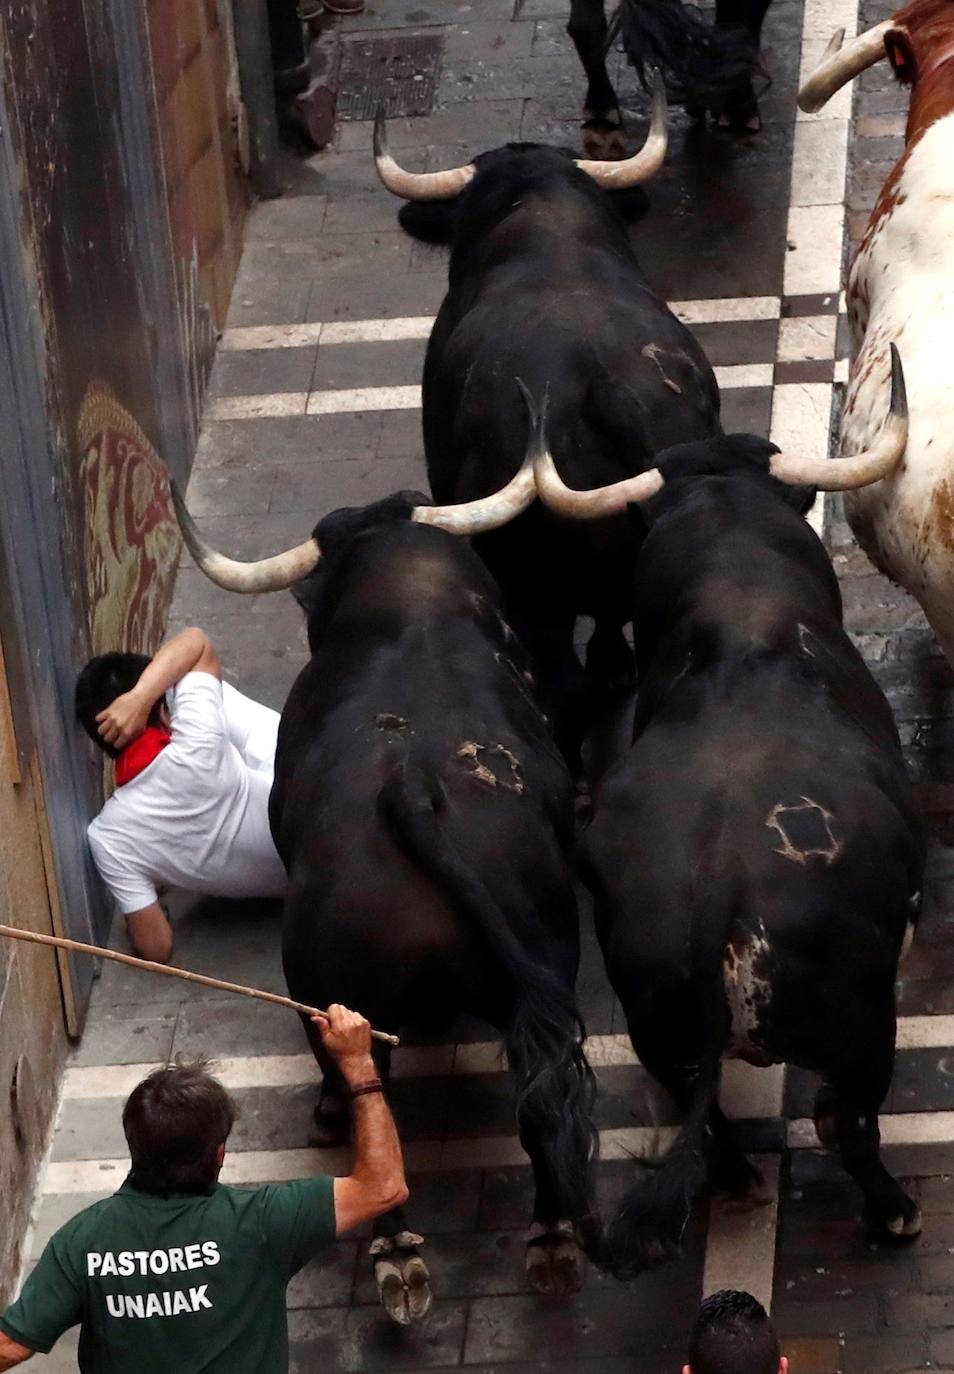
197 816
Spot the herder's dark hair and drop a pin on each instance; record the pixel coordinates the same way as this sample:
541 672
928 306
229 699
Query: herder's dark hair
732 1334
175 1121
105 678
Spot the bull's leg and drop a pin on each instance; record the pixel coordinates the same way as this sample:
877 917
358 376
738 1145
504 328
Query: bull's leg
609 659
401 1276
332 1112
555 1259
730 1169
739 109
847 1116
603 126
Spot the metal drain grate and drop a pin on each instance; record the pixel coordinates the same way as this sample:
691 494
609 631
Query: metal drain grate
398 73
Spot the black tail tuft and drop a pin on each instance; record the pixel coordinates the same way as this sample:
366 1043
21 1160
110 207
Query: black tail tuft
650 1223
556 1091
700 63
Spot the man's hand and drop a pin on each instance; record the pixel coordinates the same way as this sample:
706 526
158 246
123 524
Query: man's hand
190 651
124 718
346 1035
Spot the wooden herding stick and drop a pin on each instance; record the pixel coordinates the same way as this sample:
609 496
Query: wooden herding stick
58 942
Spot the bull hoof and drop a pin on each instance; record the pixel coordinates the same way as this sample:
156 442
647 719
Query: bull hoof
905 1226
403 1283
555 1261
604 140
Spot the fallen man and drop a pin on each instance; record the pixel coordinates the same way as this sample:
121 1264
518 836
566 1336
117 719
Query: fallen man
193 776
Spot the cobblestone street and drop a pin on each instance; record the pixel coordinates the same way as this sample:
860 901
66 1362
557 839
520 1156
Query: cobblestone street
315 405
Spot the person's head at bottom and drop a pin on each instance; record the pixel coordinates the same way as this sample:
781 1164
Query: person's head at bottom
733 1334
177 1122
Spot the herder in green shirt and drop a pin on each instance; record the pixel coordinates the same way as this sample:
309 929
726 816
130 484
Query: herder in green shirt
176 1271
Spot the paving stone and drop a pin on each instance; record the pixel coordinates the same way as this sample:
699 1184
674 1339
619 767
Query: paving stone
350 482
231 1027
446 1201
126 1034
55 1210
882 1354
287 219
225 491
647 1319
401 436
342 366
345 175
500 39
857 1314
317 1339
329 1280
499 122
916 1311
923 1082
265 293
89 1128
817 1278
813 1355
374 1342
364 297
233 444
747 410
744 341
348 212
941 1347
261 371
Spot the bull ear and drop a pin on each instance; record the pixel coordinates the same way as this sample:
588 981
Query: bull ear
897 45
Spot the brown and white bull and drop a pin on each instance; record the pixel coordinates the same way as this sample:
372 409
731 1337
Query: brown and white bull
901 288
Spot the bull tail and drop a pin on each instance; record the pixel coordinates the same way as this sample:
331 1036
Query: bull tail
555 1085
652 1218
651 1221
699 62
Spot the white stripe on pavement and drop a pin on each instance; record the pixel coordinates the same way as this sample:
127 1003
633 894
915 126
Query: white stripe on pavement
489 1152
722 310
760 1088
272 405
740 1241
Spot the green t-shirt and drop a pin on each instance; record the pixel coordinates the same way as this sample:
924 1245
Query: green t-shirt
190 1284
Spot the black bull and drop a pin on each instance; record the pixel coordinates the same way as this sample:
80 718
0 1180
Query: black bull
544 286
706 67
425 817
756 857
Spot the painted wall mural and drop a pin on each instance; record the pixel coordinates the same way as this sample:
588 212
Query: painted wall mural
131 541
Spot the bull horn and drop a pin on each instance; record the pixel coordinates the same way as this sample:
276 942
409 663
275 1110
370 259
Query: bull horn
415 185
841 64
579 505
487 513
266 575
617 176
845 474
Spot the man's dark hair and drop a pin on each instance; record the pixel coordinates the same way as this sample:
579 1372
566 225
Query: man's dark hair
732 1334
105 678
175 1120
